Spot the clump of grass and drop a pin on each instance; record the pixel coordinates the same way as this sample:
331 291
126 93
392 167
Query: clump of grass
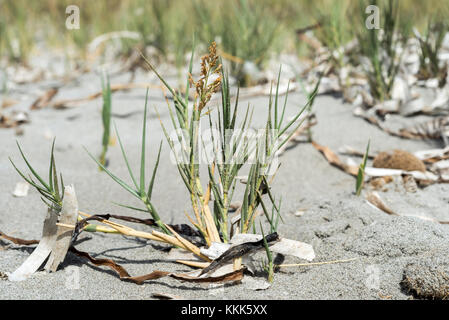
333 30
162 25
106 117
273 221
430 66
3 83
16 41
380 47
231 152
149 18
269 267
52 192
244 30
361 173
138 190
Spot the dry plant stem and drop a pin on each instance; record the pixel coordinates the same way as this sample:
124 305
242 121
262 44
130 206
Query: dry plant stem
313 263
60 104
155 235
223 225
210 225
237 263
196 264
248 223
187 244
204 91
204 219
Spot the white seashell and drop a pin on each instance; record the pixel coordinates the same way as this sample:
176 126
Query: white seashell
443 56
391 106
432 83
412 107
425 154
401 90
441 99
358 101
443 164
381 172
284 246
300 212
21 189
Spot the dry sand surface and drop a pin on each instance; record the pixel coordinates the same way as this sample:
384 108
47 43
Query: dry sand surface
338 224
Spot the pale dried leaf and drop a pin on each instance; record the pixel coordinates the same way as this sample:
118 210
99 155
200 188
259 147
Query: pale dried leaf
181 254
300 212
333 159
68 216
432 153
294 248
284 246
166 296
215 250
40 254
21 189
255 284
382 172
374 199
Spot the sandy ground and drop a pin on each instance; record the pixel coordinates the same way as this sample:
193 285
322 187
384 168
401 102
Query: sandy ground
337 223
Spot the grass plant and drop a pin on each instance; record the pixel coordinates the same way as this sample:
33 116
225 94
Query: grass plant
244 30
381 47
232 152
139 188
106 117
333 30
52 192
361 173
430 44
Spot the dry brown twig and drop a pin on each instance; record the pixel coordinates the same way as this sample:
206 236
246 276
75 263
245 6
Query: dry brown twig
67 103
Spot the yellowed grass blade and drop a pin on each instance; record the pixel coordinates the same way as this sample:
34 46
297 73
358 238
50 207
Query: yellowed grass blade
190 246
195 264
210 224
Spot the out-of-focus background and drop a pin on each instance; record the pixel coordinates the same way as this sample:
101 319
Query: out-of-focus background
252 31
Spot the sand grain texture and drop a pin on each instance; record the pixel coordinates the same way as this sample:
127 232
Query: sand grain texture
336 223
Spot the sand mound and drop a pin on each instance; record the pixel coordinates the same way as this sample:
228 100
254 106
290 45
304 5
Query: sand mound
428 278
398 159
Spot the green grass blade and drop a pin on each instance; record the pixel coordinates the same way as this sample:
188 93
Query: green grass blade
276 100
150 187
125 157
26 179
55 182
190 72
142 156
130 207
106 116
176 97
32 170
114 177
50 171
361 172
265 243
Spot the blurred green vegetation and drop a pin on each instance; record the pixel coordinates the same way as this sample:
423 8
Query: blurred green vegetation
245 30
